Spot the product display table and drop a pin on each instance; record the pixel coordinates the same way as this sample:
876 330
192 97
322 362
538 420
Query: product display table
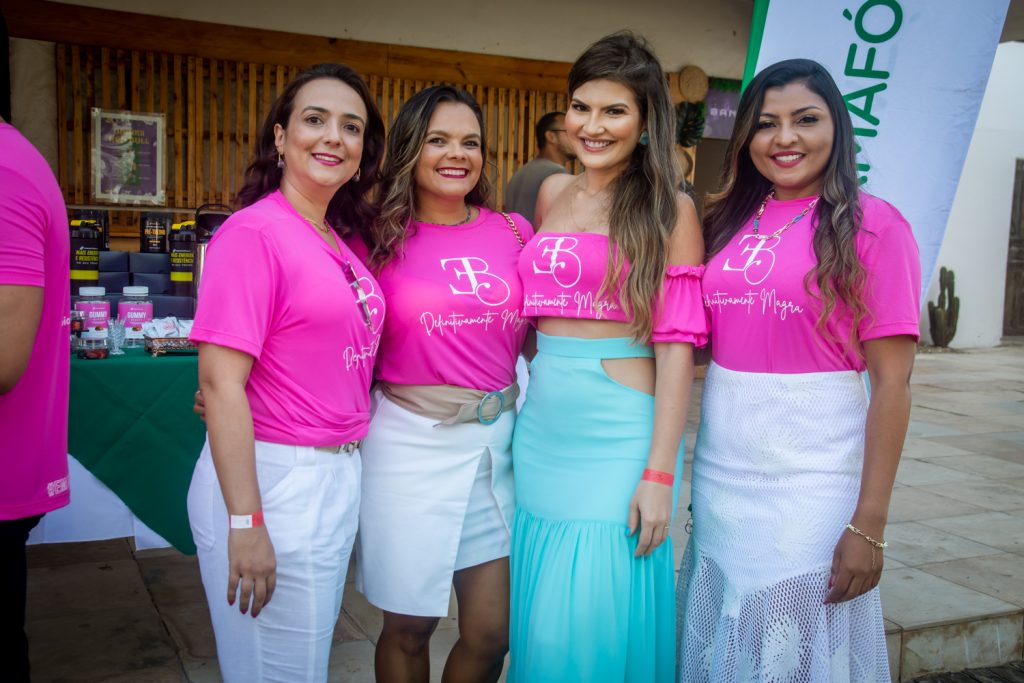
131 426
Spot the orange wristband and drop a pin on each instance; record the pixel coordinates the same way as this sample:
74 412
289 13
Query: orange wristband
658 477
246 521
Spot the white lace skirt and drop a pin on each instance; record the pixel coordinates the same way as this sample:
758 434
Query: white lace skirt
776 475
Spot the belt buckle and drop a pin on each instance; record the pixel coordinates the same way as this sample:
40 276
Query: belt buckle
346 448
480 407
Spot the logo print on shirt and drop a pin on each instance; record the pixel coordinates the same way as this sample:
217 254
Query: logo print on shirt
57 487
488 288
362 356
760 259
565 271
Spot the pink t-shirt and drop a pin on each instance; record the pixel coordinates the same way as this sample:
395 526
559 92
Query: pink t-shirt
34 252
562 274
274 289
762 317
454 302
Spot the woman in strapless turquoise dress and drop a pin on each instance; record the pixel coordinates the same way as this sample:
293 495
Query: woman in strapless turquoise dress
613 280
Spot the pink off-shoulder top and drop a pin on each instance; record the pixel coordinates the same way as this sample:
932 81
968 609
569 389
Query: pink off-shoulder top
562 273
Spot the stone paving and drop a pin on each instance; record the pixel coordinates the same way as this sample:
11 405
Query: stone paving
952 590
1008 673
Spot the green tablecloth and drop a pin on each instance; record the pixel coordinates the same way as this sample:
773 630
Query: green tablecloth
131 425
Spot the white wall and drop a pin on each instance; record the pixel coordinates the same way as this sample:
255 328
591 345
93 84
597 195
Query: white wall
711 34
977 235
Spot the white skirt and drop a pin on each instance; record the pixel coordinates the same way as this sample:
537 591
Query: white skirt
776 475
434 500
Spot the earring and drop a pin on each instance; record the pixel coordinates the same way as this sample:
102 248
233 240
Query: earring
358 175
645 139
280 160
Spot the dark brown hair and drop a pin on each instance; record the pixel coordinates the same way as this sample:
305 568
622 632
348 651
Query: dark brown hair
396 197
348 211
838 273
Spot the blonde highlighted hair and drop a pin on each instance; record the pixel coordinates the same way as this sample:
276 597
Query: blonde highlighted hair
644 207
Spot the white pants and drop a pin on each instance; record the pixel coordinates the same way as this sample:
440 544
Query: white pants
311 510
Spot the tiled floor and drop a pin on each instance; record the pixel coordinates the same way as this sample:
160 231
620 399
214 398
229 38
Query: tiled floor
953 591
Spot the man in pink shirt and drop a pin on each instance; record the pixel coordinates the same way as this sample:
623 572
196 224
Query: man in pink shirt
35 302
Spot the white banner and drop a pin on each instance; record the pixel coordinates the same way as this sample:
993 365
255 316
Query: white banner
913 73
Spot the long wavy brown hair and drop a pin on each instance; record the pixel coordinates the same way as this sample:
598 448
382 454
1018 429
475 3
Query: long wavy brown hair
643 209
348 211
838 273
396 196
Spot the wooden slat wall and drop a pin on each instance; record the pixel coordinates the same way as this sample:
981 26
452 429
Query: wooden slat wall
213 111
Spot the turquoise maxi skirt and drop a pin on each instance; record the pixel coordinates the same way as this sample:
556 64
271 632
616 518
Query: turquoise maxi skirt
583 607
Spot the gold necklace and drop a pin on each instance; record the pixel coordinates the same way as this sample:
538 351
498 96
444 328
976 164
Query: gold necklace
572 200
469 214
784 228
324 229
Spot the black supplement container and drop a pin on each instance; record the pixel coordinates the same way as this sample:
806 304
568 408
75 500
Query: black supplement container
85 254
153 232
182 246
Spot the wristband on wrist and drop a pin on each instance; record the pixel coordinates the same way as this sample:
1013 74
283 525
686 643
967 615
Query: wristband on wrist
247 521
658 477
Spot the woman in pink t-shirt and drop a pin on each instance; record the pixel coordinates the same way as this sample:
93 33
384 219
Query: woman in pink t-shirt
809 282
288 324
437 478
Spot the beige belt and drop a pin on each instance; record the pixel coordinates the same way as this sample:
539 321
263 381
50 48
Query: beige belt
346 448
450 404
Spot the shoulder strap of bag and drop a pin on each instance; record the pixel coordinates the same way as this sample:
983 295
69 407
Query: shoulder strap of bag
515 230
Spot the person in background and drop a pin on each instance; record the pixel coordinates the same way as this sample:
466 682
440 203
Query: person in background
555 153
809 282
35 303
437 480
288 325
613 278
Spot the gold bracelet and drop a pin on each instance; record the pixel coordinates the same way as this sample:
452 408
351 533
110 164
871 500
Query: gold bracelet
881 545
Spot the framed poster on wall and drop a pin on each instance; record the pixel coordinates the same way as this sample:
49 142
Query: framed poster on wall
128 157
720 104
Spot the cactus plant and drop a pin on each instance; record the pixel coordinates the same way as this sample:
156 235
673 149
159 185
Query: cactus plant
942 317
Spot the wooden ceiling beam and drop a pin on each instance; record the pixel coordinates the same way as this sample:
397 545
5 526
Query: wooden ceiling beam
78 25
